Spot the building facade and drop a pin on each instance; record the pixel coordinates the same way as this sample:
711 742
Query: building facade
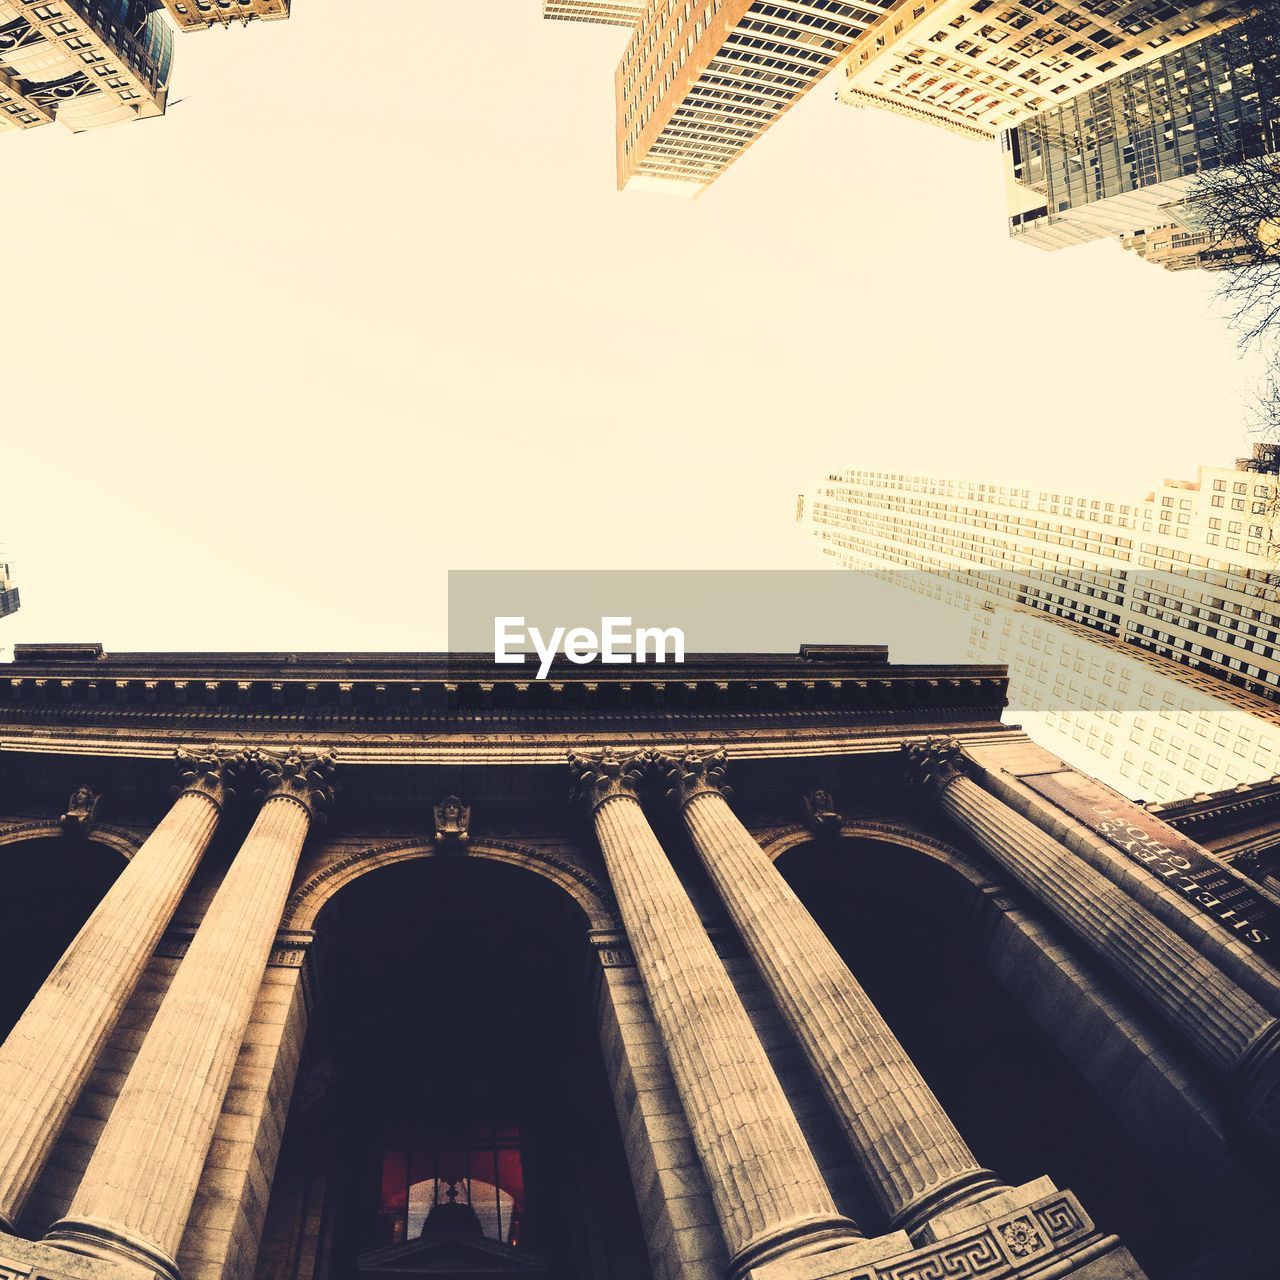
200 15
9 600
1125 156
981 66
84 63
1143 633
89 63
769 968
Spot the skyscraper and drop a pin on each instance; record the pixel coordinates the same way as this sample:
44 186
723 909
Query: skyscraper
84 63
619 14
700 82
1124 156
977 66
1144 633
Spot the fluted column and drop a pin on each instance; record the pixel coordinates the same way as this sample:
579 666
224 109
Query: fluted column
136 1194
769 1195
915 1160
1233 1034
51 1051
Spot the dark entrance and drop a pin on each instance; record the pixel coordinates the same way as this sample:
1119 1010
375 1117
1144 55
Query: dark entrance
468 1129
51 886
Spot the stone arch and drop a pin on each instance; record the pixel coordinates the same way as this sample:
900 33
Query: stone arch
117 839
313 895
944 855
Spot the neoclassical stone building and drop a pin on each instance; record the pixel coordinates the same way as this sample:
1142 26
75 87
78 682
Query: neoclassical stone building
346 967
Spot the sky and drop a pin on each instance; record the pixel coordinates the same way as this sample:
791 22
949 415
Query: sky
365 306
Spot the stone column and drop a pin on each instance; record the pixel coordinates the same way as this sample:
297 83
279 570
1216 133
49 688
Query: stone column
1230 1031
915 1160
136 1194
769 1195
51 1052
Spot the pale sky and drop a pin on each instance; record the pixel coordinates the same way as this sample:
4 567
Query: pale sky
365 306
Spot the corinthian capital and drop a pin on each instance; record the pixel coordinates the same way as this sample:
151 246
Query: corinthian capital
694 774
935 763
304 777
208 772
606 775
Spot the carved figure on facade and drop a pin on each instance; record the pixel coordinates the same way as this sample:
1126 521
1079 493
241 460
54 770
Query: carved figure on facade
820 813
453 823
82 812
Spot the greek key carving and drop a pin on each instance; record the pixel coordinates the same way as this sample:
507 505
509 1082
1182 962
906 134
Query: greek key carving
968 1259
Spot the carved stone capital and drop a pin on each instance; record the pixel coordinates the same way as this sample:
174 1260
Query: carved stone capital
695 774
935 763
303 777
453 823
820 813
209 773
604 775
82 812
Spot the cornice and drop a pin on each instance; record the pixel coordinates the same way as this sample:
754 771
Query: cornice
803 740
78 684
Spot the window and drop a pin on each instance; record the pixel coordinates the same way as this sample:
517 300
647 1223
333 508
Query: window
479 1171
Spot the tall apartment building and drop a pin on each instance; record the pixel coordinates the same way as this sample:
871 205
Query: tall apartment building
701 80
84 63
9 601
613 15
1124 156
979 66
1144 633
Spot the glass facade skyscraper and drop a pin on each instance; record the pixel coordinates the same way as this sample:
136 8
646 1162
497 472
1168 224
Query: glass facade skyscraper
1124 156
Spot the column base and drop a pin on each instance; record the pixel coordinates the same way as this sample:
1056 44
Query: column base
1049 1238
111 1244
796 1239
1258 1083
977 1189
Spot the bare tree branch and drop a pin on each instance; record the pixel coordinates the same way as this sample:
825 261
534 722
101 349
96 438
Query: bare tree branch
1238 203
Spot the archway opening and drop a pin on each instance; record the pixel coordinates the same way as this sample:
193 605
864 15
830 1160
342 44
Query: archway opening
51 886
900 919
470 1115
